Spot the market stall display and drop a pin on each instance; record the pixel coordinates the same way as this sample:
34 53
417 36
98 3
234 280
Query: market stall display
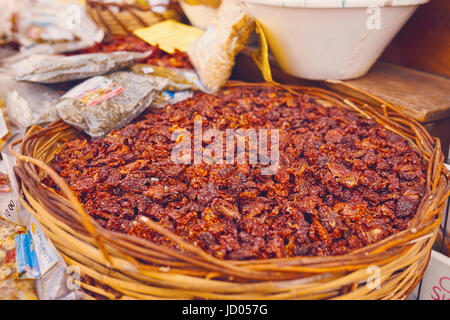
152 269
132 167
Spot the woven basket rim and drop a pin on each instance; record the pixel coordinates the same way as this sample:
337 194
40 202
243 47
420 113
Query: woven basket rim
424 224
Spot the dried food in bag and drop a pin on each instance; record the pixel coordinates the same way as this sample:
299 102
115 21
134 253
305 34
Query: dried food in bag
27 104
7 12
12 288
178 79
58 68
104 103
212 55
46 27
55 22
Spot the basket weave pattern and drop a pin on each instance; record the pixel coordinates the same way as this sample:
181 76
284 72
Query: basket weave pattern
122 19
138 269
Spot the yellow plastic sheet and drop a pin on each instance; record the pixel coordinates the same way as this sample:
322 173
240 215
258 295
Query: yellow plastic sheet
261 56
169 35
210 3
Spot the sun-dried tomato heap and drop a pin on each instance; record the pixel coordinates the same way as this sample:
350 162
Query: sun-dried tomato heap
344 181
158 57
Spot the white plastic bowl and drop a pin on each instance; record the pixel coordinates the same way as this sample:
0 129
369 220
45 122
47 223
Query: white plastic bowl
330 39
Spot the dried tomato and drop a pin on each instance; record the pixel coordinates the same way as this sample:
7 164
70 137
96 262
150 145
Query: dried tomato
178 59
343 181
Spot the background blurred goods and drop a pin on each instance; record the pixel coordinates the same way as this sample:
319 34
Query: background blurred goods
424 42
123 17
7 11
55 22
58 68
322 39
46 27
26 103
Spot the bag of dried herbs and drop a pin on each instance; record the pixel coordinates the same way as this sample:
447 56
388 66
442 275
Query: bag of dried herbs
104 103
58 68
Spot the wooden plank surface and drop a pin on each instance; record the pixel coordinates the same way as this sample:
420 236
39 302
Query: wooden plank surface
424 42
424 96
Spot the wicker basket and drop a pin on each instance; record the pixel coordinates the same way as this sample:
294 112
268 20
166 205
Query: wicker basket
123 19
136 268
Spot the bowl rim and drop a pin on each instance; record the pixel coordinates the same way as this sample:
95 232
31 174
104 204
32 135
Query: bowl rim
343 4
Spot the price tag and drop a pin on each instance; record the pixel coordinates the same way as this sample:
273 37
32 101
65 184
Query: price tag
8 200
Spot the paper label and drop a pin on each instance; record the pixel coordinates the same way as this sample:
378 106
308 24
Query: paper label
436 281
26 259
34 256
169 35
45 256
147 70
9 208
45 24
95 90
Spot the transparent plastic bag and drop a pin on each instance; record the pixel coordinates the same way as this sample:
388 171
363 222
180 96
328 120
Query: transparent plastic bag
7 10
46 27
56 68
55 22
178 79
213 54
56 278
28 103
104 103
170 97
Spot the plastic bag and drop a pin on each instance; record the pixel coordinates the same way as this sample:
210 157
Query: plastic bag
12 288
7 11
27 103
178 79
104 103
56 279
213 53
54 22
56 68
170 97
